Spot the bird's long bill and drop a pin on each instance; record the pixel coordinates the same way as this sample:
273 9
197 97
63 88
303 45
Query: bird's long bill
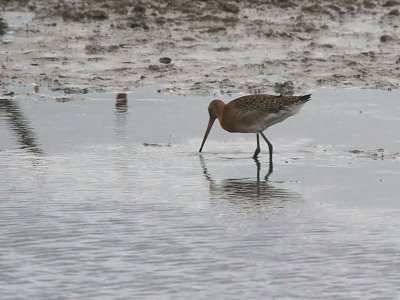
210 124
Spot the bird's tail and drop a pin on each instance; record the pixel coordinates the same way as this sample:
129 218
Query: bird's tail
305 98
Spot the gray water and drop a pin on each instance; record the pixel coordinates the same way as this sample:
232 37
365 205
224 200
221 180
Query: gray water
99 201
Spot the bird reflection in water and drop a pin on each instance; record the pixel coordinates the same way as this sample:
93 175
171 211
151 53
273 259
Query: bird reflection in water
121 111
20 125
250 192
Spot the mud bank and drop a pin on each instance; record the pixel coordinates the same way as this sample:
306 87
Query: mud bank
201 47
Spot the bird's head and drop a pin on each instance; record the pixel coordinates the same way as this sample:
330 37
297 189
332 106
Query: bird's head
215 110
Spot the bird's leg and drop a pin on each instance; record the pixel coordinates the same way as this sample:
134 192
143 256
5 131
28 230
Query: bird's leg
270 149
258 147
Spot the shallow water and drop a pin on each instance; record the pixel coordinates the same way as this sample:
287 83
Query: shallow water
99 200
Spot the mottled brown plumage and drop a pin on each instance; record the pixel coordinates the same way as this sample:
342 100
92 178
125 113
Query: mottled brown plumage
253 113
264 103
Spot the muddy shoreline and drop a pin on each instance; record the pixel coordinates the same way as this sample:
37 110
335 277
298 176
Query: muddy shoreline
201 47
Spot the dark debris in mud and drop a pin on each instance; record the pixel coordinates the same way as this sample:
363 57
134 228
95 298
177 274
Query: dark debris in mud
77 15
156 145
376 154
72 90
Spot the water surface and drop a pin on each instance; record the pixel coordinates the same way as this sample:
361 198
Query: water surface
110 200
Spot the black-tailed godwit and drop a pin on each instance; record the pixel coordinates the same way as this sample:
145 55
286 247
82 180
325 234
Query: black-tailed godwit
253 114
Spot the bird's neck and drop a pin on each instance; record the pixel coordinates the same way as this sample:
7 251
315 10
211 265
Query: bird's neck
220 110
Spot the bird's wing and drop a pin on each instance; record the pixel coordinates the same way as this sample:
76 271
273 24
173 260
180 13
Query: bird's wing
264 103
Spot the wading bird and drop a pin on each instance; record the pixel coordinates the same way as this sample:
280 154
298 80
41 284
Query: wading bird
253 114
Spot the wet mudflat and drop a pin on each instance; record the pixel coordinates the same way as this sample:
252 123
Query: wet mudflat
197 47
106 198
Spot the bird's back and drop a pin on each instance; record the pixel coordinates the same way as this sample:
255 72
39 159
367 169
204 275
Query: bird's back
266 103
255 113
